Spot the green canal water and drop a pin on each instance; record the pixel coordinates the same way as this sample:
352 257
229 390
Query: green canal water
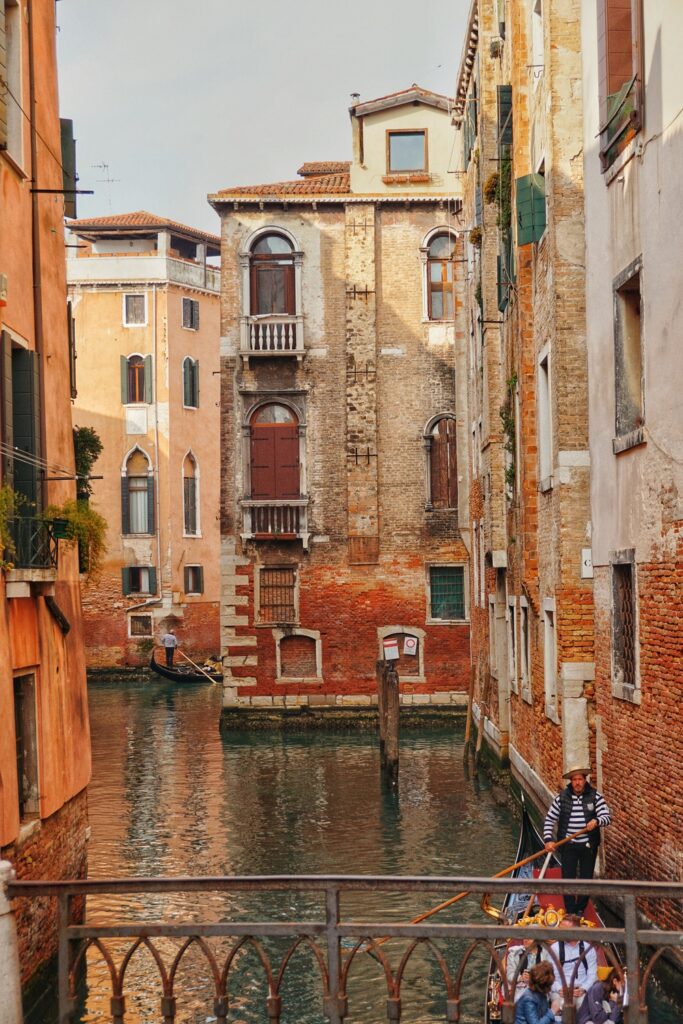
169 796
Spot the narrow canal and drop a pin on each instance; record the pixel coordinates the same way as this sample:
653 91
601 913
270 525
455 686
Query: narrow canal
170 797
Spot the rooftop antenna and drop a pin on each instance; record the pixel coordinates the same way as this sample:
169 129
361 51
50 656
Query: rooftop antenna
107 180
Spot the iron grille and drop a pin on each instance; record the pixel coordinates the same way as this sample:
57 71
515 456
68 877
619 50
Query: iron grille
447 585
277 595
624 640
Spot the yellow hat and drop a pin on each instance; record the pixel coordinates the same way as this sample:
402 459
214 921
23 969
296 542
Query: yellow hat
605 973
574 771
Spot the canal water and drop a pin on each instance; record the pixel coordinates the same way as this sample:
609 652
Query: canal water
169 796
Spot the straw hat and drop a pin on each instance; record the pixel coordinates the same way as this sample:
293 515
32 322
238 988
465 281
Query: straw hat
576 771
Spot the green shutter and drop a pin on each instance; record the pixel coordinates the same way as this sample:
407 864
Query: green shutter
200 581
6 415
26 421
150 504
187 381
125 506
69 176
125 580
530 192
195 383
152 580
504 119
124 380
186 579
3 78
148 379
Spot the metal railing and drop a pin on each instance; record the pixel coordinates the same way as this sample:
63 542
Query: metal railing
34 544
277 335
337 944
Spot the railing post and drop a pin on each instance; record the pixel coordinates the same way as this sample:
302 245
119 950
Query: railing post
335 1005
632 1014
10 976
66 1003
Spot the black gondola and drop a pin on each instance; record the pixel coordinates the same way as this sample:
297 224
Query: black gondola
516 905
184 675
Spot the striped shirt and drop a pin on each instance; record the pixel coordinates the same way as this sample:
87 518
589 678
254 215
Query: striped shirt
577 818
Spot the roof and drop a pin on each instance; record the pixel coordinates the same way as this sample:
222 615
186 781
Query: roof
139 221
314 185
415 94
320 167
469 52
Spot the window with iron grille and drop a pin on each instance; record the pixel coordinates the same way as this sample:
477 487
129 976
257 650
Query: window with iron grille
140 625
447 592
277 595
624 624
191 314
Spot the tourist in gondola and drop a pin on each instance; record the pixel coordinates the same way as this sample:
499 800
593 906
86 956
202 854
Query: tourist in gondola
579 806
520 959
534 1006
578 960
603 1000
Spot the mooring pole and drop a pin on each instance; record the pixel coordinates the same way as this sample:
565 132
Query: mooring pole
392 718
10 977
381 668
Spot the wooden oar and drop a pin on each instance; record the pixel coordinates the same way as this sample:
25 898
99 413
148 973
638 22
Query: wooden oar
198 667
501 874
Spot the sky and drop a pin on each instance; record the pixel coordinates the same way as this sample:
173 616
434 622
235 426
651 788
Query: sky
180 99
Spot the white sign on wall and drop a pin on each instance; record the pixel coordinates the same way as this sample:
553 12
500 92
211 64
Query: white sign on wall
410 645
390 649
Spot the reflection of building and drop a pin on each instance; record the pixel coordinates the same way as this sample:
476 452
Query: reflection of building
633 146
145 308
532 616
344 480
44 736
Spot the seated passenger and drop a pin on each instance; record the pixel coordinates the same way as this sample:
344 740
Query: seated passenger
578 961
522 956
534 1007
603 1000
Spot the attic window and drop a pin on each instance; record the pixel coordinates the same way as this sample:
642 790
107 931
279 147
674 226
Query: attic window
406 152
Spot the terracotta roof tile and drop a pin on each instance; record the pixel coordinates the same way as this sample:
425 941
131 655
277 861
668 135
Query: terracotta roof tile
324 184
140 219
319 167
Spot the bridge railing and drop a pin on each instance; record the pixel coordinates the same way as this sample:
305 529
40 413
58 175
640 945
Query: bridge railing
337 942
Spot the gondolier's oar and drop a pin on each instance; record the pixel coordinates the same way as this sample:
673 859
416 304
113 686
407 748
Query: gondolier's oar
500 874
198 667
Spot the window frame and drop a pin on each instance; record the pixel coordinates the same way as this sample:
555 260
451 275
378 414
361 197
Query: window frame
512 644
312 634
190 569
13 137
187 531
427 261
126 477
259 620
631 122
193 305
190 375
398 630
635 435
545 419
428 441
139 569
24 697
550 672
390 132
124 320
430 619
622 691
525 660
140 636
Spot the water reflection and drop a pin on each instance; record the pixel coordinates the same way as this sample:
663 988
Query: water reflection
169 797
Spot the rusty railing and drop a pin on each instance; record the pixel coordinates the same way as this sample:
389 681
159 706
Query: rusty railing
337 944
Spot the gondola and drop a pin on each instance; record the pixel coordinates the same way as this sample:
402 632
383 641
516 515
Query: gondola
184 675
515 906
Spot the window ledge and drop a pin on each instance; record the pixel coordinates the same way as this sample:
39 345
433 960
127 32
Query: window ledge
134 325
624 156
526 694
631 694
192 536
404 680
546 485
277 625
27 829
407 178
552 713
447 622
308 680
193 407
631 440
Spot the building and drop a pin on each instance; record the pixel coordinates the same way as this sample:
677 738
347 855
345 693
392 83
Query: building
145 305
633 152
45 737
345 489
519 106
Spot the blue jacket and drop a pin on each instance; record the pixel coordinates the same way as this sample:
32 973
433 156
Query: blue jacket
533 1008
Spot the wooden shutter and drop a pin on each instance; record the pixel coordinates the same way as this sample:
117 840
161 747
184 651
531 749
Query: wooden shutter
287 462
186 579
200 579
504 114
148 379
187 382
195 385
26 416
262 462
3 78
150 504
124 380
530 191
6 414
152 580
125 506
452 463
71 329
69 176
125 580
195 314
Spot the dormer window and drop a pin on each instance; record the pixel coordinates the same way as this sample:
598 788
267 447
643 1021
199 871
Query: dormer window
406 152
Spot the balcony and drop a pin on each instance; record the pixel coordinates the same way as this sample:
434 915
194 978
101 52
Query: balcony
276 520
272 336
34 558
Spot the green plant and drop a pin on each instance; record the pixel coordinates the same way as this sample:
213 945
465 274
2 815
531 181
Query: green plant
478 296
475 236
87 449
507 416
10 503
84 525
491 187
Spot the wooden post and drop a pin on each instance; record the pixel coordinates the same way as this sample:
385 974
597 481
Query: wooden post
392 718
468 720
10 981
382 708
484 699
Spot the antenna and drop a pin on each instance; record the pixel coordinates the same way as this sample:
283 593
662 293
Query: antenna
107 180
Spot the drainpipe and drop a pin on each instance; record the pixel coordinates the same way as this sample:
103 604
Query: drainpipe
157 489
35 240
10 978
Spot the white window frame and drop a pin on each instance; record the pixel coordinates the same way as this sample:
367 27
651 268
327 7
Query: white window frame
124 321
14 64
493 651
512 643
193 565
545 419
465 586
140 636
482 566
537 42
475 563
313 634
550 671
141 569
525 649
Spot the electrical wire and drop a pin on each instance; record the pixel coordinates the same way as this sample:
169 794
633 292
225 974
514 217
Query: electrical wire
30 459
5 83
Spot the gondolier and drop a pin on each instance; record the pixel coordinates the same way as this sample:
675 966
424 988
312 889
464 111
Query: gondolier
579 806
169 642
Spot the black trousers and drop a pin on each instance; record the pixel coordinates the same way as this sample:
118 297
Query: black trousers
578 861
170 651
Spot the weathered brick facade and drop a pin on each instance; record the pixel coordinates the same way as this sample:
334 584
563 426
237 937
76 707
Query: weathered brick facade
374 374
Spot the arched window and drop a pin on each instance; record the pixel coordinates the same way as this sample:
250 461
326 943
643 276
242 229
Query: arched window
440 298
274 435
190 383
136 379
137 495
190 495
442 463
272 288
